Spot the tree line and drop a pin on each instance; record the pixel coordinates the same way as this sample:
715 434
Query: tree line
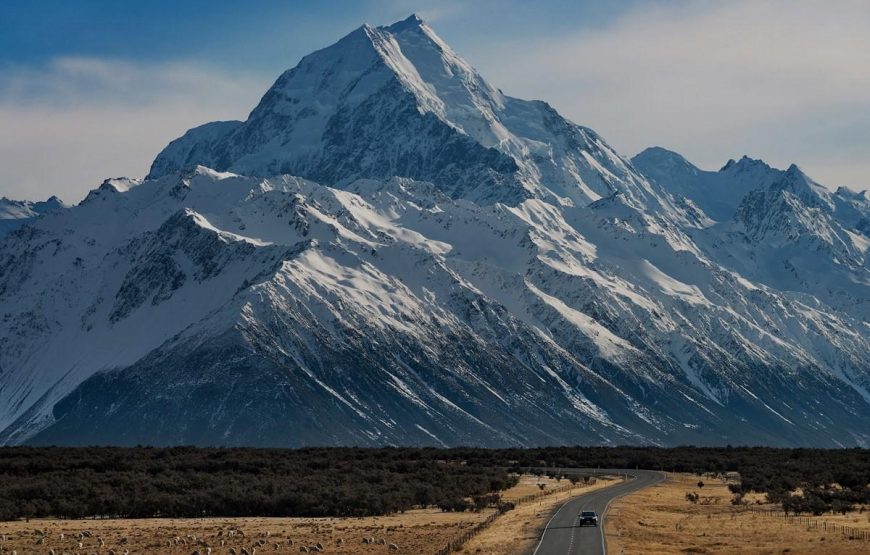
192 482
195 482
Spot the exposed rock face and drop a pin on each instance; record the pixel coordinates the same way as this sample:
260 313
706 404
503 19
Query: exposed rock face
519 283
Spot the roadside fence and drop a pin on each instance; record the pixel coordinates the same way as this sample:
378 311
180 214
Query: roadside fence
506 505
812 523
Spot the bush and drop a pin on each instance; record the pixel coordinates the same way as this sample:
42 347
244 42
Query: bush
183 481
188 482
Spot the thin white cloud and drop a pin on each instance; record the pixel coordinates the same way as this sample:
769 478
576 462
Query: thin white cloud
71 124
787 81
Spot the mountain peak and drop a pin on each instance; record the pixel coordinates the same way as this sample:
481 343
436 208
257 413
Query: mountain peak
396 100
799 184
793 175
413 21
663 158
52 204
745 163
846 192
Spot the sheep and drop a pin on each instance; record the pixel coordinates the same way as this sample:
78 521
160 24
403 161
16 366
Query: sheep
232 551
223 543
303 549
244 551
51 552
168 543
319 546
111 552
101 541
62 536
365 541
393 547
81 545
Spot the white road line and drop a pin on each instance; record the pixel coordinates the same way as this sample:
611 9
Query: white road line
547 527
603 515
573 530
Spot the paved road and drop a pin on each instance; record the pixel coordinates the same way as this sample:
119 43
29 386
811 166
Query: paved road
562 536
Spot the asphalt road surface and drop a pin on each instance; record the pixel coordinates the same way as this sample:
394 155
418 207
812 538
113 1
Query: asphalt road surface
563 536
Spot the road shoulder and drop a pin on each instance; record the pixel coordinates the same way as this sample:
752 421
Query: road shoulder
519 530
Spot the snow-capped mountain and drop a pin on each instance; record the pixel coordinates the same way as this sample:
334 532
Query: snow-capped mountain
777 227
15 213
718 194
397 100
389 250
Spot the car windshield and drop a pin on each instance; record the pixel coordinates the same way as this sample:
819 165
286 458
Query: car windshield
587 513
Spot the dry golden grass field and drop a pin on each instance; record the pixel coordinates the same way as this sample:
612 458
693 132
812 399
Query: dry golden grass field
415 532
659 520
518 531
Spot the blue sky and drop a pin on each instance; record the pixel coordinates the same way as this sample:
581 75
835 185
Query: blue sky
266 35
93 89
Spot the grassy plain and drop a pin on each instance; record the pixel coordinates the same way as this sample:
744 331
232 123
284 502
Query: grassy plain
659 521
414 532
517 531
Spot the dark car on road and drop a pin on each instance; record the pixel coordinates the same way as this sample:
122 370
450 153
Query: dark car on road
588 517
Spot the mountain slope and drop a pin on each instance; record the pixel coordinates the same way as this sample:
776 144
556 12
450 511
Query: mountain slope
719 193
397 100
518 283
778 227
15 213
281 312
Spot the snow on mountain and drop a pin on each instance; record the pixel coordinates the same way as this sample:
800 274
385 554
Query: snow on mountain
397 100
391 251
719 193
778 227
207 307
15 213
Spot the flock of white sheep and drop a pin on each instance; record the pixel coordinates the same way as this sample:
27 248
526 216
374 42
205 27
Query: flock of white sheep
87 543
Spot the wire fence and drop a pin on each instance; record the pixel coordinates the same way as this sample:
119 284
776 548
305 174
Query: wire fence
456 543
815 524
